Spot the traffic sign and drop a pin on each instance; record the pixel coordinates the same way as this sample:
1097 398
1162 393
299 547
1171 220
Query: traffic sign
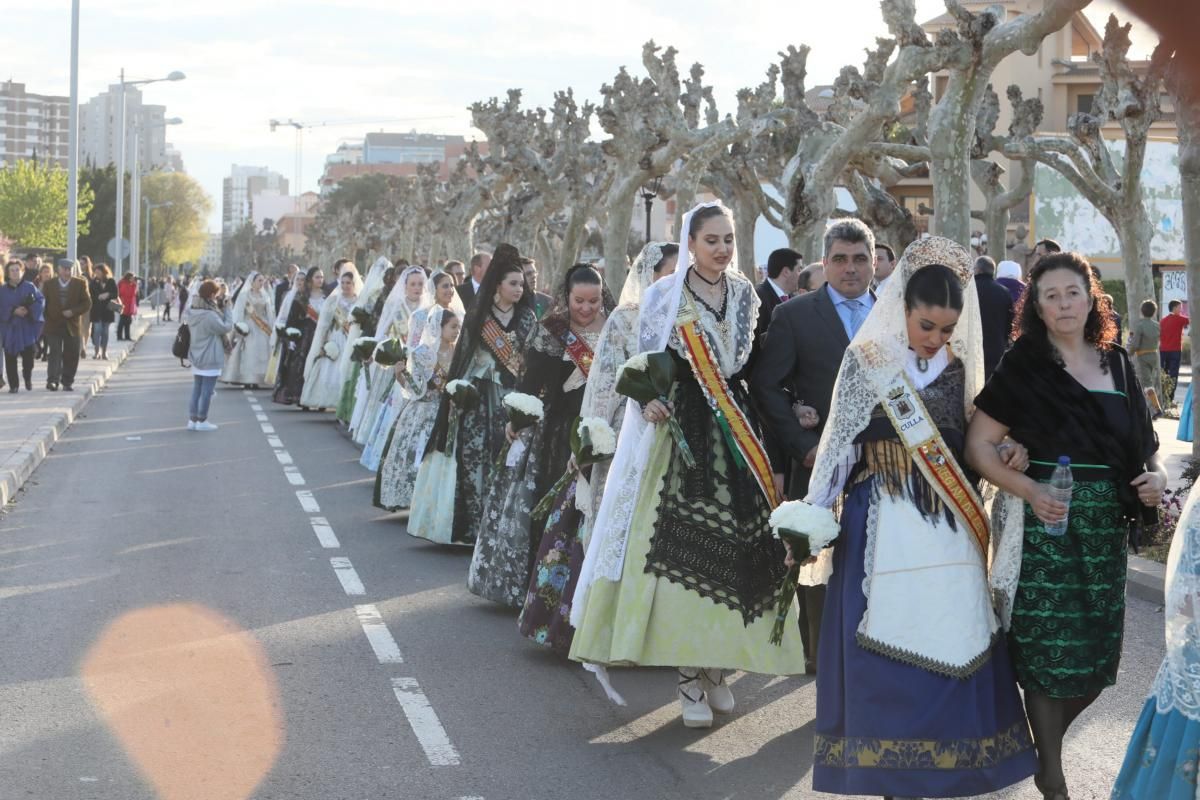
126 248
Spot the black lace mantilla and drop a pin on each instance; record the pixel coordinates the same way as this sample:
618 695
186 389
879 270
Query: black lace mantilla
713 533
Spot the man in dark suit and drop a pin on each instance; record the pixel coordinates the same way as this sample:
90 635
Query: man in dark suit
281 289
479 265
799 363
67 301
995 313
541 301
783 275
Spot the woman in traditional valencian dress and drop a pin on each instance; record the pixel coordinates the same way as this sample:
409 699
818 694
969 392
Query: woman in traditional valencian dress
557 362
279 338
428 365
362 323
1163 759
322 376
392 321
304 310
439 293
546 616
682 568
447 502
247 364
917 696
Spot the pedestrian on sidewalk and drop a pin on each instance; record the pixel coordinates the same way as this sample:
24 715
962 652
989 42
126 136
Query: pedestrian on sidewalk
40 275
67 300
1143 346
104 298
22 308
209 319
127 290
85 272
168 298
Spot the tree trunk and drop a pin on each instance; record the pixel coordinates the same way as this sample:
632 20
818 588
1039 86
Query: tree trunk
745 217
618 204
573 238
1189 173
950 171
1134 232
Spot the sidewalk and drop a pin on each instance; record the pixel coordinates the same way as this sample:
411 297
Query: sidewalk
1147 578
31 422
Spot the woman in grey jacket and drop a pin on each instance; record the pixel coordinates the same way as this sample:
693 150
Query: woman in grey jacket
209 319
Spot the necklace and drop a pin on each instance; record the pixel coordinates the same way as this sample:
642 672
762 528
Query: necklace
720 277
922 364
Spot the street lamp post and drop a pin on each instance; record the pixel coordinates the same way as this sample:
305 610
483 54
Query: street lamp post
150 207
174 76
73 140
648 194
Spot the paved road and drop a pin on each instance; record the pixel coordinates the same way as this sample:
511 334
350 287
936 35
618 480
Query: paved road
142 555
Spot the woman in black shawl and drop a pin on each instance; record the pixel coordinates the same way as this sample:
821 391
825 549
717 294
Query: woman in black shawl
1066 389
489 354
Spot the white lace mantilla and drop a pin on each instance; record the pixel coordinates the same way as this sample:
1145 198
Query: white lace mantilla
1177 687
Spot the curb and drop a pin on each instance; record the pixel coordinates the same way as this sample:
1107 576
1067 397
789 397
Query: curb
18 467
1146 580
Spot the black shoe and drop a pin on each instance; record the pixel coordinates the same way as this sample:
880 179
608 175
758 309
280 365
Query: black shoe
53 387
13 389
67 387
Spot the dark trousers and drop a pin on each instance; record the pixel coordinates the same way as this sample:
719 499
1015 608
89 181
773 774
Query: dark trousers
63 358
1170 363
123 325
10 366
811 605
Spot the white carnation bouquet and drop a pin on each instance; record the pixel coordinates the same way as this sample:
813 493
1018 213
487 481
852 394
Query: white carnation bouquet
331 351
293 333
242 329
806 529
524 411
592 441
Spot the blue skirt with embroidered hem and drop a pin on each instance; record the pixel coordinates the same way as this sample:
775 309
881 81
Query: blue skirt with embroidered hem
888 728
1163 758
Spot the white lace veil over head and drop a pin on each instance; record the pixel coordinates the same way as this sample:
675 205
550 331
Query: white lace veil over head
879 354
642 274
422 358
369 288
605 556
243 298
1177 686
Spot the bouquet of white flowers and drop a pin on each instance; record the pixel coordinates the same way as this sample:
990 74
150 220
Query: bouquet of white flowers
389 352
364 348
295 334
331 351
523 410
242 329
592 441
463 394
806 529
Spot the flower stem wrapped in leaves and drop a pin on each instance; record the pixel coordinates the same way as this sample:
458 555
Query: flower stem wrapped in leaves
592 441
524 410
806 529
650 376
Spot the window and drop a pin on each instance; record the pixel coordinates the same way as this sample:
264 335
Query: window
1084 103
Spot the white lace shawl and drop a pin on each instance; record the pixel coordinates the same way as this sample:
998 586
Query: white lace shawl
335 308
660 305
1177 686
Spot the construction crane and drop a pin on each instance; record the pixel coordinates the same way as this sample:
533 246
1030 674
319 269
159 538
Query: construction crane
303 126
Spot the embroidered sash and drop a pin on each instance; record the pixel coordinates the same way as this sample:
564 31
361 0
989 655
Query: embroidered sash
313 312
729 415
920 436
499 344
262 326
576 347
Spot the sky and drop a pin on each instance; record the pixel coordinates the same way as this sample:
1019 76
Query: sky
399 66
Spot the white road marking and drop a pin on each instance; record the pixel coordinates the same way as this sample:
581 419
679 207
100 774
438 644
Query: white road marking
385 647
425 723
324 532
284 457
274 441
348 577
307 502
133 438
266 428
260 417
293 475
247 391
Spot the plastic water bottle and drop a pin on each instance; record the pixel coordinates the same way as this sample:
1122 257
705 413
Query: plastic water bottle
1061 485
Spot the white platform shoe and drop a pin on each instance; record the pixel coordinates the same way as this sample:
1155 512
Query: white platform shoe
720 696
692 700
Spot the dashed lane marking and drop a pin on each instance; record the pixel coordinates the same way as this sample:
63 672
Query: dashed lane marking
347 576
324 532
267 427
261 417
385 647
284 457
425 723
293 475
275 441
308 502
